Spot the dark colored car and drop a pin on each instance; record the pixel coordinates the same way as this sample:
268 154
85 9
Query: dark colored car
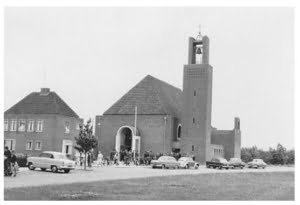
237 162
218 163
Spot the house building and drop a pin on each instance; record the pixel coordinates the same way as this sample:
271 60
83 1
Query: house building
156 116
41 121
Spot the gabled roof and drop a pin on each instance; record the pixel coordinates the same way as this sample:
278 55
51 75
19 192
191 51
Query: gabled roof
44 102
152 97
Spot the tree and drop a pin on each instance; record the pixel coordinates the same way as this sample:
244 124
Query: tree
86 141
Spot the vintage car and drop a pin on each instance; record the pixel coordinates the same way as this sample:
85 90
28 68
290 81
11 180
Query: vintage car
218 163
256 163
51 160
187 162
165 162
237 162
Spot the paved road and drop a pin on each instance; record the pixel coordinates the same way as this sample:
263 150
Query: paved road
26 177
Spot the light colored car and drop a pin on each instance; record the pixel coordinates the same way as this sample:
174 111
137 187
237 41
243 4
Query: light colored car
187 162
256 163
237 162
51 160
165 162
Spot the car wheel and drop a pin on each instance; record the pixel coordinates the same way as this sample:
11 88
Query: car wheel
256 167
30 166
186 166
242 167
220 167
197 166
43 169
163 166
263 167
214 167
66 170
153 167
54 169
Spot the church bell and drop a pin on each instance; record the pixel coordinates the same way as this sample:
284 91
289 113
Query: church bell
198 50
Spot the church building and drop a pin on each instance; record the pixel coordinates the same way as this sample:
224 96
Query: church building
156 116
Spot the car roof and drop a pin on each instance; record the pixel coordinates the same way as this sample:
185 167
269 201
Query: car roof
52 152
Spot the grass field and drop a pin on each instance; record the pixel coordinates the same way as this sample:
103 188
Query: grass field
230 186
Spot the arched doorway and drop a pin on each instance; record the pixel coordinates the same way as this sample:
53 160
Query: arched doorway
128 138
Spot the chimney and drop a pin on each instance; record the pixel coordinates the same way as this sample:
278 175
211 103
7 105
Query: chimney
45 91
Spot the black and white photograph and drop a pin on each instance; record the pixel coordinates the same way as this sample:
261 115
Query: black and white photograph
142 103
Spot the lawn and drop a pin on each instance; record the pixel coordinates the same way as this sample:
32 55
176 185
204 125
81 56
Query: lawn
219 186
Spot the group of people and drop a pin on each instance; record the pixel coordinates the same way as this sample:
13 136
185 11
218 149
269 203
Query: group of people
10 162
126 157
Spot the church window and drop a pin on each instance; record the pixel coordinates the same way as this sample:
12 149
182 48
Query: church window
179 131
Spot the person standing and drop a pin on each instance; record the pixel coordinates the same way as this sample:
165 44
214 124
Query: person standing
7 156
13 163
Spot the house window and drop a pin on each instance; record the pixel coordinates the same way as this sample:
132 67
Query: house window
5 125
29 145
38 145
30 126
10 143
193 120
194 92
179 131
67 127
39 126
192 147
21 125
13 125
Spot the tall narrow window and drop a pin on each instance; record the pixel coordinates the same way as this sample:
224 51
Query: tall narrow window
5 125
194 92
39 126
30 126
21 125
29 145
193 120
38 145
13 125
179 131
192 147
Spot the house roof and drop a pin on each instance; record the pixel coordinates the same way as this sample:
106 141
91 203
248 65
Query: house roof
151 96
44 102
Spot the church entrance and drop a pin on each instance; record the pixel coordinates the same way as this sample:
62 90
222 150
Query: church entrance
126 139
127 142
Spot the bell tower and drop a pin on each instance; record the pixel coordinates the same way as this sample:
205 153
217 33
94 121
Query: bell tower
197 94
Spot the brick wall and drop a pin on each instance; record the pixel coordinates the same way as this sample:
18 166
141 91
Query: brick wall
150 127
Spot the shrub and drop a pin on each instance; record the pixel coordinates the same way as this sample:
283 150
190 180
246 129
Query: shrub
21 159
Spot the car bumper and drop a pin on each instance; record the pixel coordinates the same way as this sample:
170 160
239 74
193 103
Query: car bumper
66 167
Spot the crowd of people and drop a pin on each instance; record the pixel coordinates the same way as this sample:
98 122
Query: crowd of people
128 157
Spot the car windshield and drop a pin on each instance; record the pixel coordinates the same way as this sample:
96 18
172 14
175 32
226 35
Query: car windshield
235 160
257 160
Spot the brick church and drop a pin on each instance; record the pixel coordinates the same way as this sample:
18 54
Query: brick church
156 116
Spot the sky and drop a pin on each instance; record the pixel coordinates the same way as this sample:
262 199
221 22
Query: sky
91 56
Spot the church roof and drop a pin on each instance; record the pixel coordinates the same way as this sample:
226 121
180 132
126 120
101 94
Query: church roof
152 97
44 102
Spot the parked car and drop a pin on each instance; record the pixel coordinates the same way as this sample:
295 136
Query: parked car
187 162
165 162
51 160
256 163
218 163
237 162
